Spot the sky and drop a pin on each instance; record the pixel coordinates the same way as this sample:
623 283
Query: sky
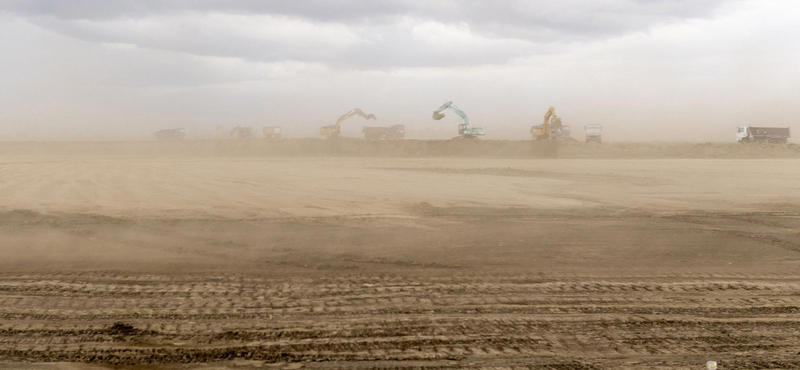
647 70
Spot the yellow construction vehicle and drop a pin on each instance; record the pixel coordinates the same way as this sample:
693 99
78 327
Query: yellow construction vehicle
333 131
551 124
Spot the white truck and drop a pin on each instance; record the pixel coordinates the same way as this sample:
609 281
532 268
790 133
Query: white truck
773 135
593 133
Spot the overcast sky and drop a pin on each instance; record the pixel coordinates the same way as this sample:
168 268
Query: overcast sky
668 70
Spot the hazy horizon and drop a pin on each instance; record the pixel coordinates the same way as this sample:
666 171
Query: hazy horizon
647 70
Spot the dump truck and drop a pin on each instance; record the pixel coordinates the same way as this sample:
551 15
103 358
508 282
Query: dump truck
593 133
392 132
773 135
241 132
272 132
170 134
564 133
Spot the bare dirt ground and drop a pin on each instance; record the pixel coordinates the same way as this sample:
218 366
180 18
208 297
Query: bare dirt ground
537 259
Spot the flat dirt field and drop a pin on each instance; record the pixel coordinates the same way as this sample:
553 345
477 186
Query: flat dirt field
461 255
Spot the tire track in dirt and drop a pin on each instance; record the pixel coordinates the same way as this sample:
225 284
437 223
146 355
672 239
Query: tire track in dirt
437 321
769 227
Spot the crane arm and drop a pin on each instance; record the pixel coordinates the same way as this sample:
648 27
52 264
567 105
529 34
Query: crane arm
352 113
546 124
437 114
443 107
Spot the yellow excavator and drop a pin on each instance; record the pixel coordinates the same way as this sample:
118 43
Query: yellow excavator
546 131
332 131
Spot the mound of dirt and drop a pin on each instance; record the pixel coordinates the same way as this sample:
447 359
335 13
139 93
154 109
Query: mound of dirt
347 147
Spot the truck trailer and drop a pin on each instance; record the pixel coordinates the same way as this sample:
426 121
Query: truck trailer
753 134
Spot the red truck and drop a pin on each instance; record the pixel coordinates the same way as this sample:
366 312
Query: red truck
393 132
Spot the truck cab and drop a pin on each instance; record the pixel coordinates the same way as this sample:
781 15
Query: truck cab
741 134
593 133
564 133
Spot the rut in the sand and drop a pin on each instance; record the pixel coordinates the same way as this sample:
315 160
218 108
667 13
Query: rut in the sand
131 319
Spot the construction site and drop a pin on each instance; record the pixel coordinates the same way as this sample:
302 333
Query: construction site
352 253
256 250
399 185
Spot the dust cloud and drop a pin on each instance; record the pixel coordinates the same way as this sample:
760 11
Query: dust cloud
252 251
176 191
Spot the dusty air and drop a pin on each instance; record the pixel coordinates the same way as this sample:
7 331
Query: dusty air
402 184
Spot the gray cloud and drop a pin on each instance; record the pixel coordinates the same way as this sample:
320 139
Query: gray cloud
566 16
651 70
354 33
342 10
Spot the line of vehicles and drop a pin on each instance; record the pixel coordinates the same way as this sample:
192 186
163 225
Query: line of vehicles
551 129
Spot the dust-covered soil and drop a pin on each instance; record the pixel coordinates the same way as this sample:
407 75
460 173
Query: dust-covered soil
152 259
350 147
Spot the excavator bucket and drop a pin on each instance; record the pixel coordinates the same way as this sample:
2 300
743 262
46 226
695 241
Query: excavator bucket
438 116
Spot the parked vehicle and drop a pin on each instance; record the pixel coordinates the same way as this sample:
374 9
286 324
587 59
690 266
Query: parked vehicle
241 132
392 132
272 132
593 133
774 135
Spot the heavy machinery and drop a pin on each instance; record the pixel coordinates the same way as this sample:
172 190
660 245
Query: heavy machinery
464 130
593 133
773 135
333 131
241 132
564 133
549 128
170 134
392 132
272 132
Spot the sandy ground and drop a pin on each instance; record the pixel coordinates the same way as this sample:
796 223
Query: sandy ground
255 261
